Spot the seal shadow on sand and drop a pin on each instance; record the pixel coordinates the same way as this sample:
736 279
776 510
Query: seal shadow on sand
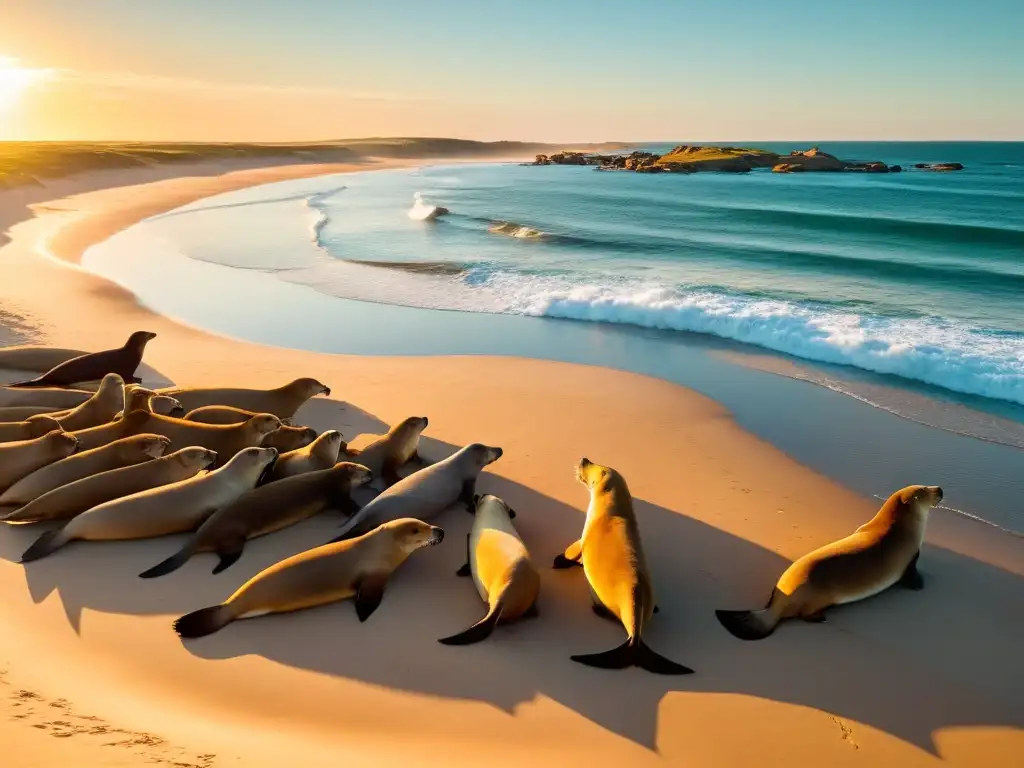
845 667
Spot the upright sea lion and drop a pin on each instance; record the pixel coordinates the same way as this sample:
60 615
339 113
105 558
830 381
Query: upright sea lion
613 560
225 439
427 492
283 402
266 509
497 560
98 409
72 499
385 455
120 453
322 453
879 554
173 508
58 398
95 365
357 568
286 438
22 458
27 430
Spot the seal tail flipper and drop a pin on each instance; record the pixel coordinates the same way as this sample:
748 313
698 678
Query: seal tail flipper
45 545
229 552
748 625
203 622
633 653
172 563
479 631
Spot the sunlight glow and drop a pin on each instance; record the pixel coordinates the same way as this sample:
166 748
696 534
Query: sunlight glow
13 81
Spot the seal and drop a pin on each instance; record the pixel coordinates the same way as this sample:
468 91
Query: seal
139 398
23 457
9 413
120 453
27 430
267 509
56 398
94 437
286 438
385 455
221 414
882 552
98 409
283 401
225 439
76 497
358 568
613 560
322 453
31 357
425 493
93 366
174 508
497 560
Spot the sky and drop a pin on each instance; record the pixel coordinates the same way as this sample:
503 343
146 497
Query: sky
554 70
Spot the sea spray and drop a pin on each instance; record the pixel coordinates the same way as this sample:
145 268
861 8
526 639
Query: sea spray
423 211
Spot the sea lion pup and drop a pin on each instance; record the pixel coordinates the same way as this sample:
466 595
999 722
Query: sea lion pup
27 430
120 453
266 509
225 439
880 553
322 453
98 409
613 560
501 569
283 402
358 568
387 453
93 366
287 439
55 398
427 492
23 457
69 500
174 508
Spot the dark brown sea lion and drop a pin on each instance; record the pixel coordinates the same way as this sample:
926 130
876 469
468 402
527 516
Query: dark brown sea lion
95 365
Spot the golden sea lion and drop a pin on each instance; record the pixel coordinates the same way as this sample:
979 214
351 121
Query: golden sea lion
497 560
388 453
222 414
27 430
225 439
99 409
358 568
21 458
93 366
55 398
283 401
613 560
879 554
286 438
139 398
25 412
322 453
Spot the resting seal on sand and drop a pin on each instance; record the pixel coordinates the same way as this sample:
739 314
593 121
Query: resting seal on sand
322 453
283 402
95 365
357 568
267 509
27 430
879 554
17 413
138 398
612 555
120 453
55 398
225 439
173 508
501 569
286 438
385 455
99 409
69 500
427 492
22 458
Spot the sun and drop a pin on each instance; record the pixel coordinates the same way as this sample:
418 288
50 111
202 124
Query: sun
13 81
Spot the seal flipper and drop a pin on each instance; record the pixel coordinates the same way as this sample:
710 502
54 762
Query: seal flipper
468 494
45 545
571 556
911 578
205 621
633 653
479 631
466 570
172 563
369 593
748 625
229 551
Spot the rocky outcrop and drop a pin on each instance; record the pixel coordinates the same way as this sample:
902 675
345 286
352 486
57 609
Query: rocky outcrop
692 158
872 167
939 166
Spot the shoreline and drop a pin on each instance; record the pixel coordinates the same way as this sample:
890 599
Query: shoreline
744 506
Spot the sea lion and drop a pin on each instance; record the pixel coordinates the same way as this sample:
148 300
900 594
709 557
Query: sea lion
358 568
23 457
174 508
94 437
72 499
497 560
287 439
120 453
222 414
11 413
322 453
27 430
141 399
385 455
283 402
427 492
98 409
57 398
225 439
31 357
95 365
612 555
879 554
266 509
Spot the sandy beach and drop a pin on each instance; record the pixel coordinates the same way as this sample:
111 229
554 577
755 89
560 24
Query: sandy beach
92 674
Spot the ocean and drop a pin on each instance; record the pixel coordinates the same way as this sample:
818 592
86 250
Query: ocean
903 291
